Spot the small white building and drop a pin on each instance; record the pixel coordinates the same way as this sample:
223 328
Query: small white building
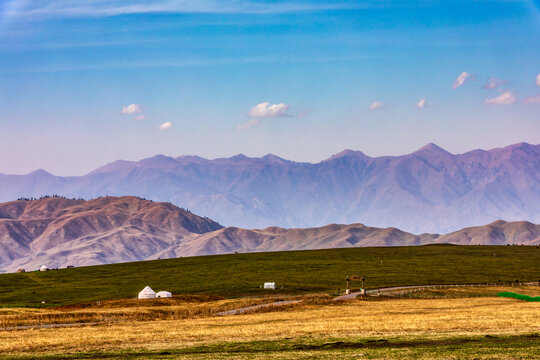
147 293
44 268
270 285
163 294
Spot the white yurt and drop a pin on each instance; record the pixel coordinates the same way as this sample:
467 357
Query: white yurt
147 293
163 294
44 268
270 285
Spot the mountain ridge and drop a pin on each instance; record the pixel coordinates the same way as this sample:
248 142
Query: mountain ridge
429 190
344 152
57 232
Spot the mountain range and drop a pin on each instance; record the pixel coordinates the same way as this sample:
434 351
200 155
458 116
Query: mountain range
58 232
429 190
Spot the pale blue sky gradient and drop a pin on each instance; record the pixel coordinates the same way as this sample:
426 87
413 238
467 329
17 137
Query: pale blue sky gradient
69 67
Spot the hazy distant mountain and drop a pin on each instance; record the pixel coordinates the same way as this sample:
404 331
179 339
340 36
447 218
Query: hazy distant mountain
429 190
58 232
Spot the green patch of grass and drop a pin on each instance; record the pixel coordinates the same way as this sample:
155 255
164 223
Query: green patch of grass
520 296
490 347
298 272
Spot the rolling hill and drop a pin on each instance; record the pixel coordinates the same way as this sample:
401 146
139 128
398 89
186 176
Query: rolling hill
429 190
58 232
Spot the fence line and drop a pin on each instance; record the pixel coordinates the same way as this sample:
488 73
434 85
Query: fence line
401 291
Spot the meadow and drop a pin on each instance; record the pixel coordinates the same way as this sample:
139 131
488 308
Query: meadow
105 321
295 272
461 327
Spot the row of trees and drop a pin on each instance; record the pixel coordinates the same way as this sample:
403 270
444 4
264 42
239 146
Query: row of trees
32 198
48 197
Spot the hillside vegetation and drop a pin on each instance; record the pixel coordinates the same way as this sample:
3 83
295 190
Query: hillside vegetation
295 272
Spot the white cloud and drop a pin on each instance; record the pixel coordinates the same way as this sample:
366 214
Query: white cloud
267 110
538 80
421 104
494 83
132 109
461 79
376 105
532 100
249 124
164 126
506 98
140 117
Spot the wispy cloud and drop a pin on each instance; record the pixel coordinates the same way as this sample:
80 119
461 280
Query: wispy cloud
493 83
181 64
140 117
461 79
506 98
267 110
132 109
538 80
164 126
376 105
532 100
100 8
247 125
421 104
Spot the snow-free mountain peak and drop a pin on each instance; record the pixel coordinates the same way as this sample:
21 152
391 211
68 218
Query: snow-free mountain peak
429 190
40 173
348 153
273 158
433 149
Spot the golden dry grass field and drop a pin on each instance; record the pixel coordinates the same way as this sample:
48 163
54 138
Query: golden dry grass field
454 327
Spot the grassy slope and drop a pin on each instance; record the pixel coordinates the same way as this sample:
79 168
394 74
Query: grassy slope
298 271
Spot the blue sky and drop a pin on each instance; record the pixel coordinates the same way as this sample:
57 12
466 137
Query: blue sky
83 83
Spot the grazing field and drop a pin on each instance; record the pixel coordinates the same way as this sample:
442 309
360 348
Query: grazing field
490 327
296 272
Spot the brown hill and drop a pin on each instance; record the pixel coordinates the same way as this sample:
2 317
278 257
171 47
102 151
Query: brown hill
279 239
497 233
59 232
233 239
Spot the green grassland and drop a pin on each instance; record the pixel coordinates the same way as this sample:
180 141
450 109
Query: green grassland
298 272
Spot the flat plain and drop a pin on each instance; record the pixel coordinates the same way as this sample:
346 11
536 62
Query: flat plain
91 312
465 324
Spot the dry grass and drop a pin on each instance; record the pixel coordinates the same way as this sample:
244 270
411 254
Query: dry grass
433 318
113 311
122 311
